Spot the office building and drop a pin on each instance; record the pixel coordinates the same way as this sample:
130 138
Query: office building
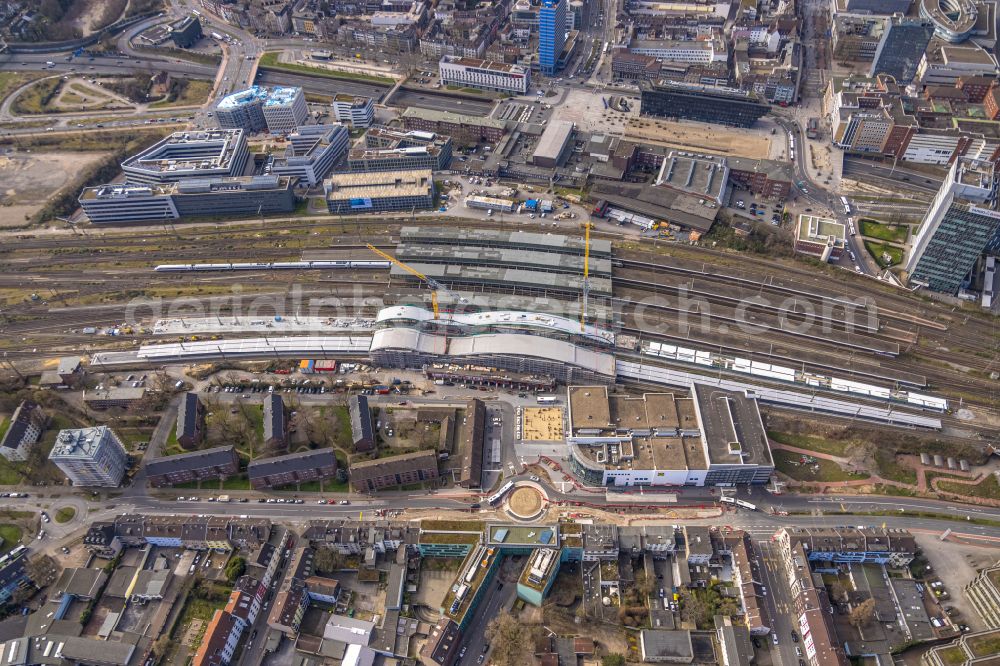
218 197
722 106
105 397
311 152
692 52
285 109
954 21
90 456
484 75
348 193
960 225
353 110
388 149
551 34
299 467
220 462
901 48
627 65
185 32
243 110
393 471
23 430
190 156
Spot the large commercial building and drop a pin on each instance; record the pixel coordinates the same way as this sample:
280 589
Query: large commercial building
484 75
348 193
353 110
551 34
961 224
394 471
278 110
849 545
723 106
285 109
901 48
185 32
554 144
245 195
954 20
388 149
220 462
90 456
464 129
682 51
190 155
311 153
713 437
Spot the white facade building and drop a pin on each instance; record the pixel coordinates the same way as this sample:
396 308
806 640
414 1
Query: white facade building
484 75
693 52
312 152
354 111
90 456
285 109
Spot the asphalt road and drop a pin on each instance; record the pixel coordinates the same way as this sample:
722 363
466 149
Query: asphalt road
323 86
474 638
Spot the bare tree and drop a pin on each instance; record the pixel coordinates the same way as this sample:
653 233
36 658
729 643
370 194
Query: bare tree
509 640
862 614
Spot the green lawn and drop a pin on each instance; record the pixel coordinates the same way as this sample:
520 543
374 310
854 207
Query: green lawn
785 461
878 249
953 656
11 535
884 232
270 61
65 514
810 442
311 487
195 92
3 427
988 488
984 646
236 483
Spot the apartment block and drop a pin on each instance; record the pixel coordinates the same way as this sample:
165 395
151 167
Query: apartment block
394 471
90 456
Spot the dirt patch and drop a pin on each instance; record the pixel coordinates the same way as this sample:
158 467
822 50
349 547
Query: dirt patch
525 502
708 138
543 424
29 179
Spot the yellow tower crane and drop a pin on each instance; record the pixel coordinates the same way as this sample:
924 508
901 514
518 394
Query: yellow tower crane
431 282
586 278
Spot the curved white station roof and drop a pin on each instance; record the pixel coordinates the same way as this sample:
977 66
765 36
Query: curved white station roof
499 317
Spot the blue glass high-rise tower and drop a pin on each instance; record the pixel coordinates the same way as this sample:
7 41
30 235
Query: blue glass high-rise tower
551 34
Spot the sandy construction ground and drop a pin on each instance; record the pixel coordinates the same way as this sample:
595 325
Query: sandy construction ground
700 137
29 179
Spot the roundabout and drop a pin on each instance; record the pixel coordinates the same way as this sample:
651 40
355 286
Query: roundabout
526 503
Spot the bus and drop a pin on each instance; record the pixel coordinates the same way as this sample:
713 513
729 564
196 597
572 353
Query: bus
727 500
546 399
746 505
847 206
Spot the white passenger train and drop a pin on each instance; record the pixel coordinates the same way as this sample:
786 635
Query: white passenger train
274 266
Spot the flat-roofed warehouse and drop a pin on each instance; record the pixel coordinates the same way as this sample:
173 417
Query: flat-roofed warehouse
520 240
553 145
